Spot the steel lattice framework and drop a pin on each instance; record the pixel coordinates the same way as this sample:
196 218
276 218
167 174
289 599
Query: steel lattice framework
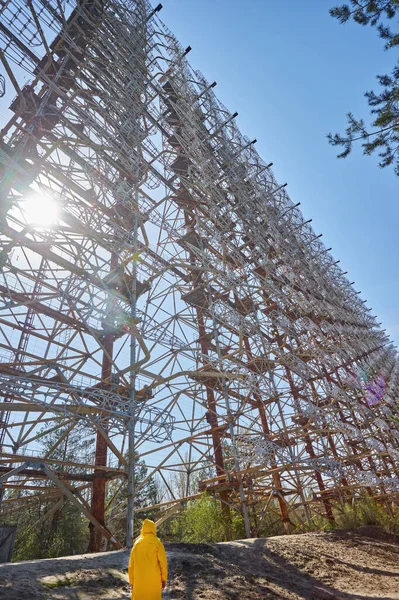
180 307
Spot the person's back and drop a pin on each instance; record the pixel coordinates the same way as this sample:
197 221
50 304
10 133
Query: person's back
148 568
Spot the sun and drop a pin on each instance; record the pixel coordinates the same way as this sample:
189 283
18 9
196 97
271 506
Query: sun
40 209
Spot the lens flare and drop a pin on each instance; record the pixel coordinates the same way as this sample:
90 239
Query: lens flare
40 210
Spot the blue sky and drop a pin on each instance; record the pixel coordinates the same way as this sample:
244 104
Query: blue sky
292 73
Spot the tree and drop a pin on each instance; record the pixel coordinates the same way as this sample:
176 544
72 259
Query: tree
146 495
382 135
186 481
49 526
202 521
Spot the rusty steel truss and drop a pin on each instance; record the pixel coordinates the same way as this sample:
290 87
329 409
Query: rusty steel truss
177 306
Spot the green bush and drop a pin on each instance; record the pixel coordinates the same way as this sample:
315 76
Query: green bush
200 522
316 523
365 511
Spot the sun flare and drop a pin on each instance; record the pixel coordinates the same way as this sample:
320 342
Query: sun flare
40 210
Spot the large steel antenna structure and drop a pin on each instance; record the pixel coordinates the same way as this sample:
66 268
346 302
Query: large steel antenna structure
177 305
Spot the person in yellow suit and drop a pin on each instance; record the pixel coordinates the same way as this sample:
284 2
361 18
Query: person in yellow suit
148 566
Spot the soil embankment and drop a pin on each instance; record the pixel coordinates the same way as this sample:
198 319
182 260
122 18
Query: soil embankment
338 565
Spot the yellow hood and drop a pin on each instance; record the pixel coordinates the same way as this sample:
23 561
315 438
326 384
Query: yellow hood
148 527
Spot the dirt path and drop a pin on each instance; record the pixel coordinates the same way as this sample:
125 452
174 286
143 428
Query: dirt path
315 566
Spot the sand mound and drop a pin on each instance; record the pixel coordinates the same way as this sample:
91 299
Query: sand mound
315 566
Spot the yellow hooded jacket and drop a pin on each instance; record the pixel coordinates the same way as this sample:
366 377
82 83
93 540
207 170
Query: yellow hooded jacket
148 566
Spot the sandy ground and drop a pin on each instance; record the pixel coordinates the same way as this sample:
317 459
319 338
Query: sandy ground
316 566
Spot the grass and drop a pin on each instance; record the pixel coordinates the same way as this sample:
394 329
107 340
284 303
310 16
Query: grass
56 581
358 512
366 511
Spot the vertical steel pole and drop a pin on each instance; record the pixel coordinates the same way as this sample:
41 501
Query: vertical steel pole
101 450
244 507
132 396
